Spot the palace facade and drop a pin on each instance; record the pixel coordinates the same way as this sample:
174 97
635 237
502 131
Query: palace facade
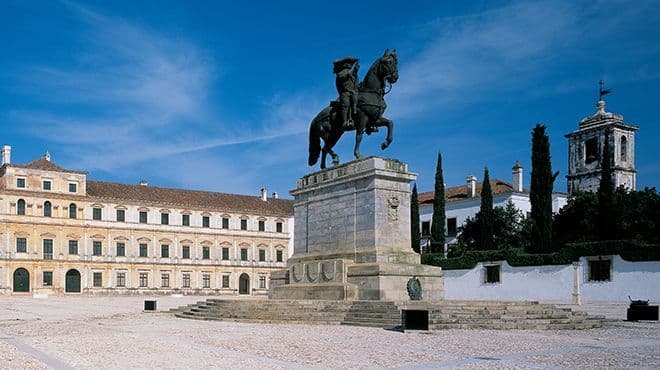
61 233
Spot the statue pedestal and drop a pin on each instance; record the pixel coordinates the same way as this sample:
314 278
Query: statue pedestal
352 237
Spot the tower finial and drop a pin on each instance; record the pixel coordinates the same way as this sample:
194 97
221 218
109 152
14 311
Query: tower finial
601 91
47 155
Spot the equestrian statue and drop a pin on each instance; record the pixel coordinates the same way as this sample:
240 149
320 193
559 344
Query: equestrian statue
360 107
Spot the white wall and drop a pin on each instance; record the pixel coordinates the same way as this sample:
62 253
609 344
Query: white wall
640 280
533 283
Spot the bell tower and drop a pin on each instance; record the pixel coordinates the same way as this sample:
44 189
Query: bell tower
585 149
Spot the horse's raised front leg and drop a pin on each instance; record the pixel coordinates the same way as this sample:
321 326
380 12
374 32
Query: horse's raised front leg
390 128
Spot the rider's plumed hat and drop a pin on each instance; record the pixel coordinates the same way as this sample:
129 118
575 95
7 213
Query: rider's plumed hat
338 64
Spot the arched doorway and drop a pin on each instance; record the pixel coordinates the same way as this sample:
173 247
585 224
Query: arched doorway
72 282
244 284
21 280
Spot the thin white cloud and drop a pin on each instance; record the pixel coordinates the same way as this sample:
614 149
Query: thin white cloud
142 94
517 48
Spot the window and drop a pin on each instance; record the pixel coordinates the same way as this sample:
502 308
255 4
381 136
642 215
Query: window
96 213
451 226
262 282
46 185
121 279
164 218
185 220
20 183
244 256
165 251
243 224
121 249
73 247
20 207
278 255
72 210
206 281
225 253
73 187
206 253
97 279
143 279
48 209
262 255
278 227
591 151
262 225
21 245
225 222
48 249
48 278
225 281
426 228
206 221
186 251
143 217
165 280
186 280
492 274
624 149
121 215
97 248
599 270
143 250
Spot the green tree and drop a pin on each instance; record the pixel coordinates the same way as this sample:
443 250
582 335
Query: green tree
607 220
576 221
486 239
508 229
415 236
540 194
438 220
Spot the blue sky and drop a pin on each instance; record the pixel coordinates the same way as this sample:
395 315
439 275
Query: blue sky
218 96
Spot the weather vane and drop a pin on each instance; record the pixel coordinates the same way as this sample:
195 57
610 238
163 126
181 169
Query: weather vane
603 92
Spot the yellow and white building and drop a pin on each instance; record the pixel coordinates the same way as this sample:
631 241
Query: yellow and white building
61 233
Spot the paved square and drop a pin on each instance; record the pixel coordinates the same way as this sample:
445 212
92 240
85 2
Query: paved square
113 332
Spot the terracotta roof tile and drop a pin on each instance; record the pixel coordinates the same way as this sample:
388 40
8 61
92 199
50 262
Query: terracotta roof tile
456 193
211 201
46 165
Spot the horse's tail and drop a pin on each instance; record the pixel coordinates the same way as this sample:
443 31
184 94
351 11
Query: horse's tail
314 141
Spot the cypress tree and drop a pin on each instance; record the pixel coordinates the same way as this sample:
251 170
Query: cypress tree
438 221
415 234
540 194
486 217
606 220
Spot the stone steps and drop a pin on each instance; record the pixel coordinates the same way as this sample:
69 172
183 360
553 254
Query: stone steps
387 314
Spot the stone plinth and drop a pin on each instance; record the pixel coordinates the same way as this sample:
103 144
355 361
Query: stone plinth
352 236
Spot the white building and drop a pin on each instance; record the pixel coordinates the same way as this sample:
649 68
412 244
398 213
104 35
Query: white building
463 202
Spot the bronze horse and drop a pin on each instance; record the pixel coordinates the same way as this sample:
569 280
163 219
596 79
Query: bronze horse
327 124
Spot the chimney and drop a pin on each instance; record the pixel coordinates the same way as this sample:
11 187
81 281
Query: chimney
275 195
264 194
47 156
143 183
471 186
517 177
6 154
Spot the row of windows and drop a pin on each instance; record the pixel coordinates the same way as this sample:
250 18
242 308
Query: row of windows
452 227
97 250
143 280
45 185
598 270
143 217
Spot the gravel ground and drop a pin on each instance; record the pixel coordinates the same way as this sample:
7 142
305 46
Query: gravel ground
113 332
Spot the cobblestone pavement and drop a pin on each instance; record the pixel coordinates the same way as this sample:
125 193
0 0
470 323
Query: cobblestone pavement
113 332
